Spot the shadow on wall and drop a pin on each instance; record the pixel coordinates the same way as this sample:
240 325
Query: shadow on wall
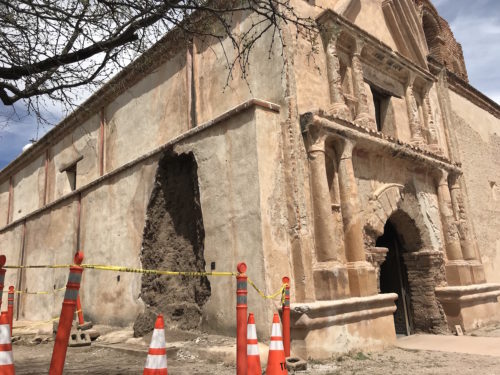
173 240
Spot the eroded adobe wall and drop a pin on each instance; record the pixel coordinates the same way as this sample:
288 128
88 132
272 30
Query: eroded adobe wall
478 137
174 240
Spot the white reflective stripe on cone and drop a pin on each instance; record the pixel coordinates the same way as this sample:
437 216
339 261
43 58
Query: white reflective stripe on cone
251 331
4 334
276 345
156 362
276 330
252 349
158 339
6 358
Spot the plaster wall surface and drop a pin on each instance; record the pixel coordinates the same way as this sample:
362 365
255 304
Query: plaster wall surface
50 239
229 180
275 238
148 114
4 202
29 188
478 136
11 246
213 79
112 223
81 145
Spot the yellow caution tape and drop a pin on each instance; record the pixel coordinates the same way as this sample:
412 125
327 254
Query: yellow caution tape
281 291
41 266
103 267
42 323
40 292
155 272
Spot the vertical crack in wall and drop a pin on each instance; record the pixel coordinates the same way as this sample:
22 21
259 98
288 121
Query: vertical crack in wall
173 240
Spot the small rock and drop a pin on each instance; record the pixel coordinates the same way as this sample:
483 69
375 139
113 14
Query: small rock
36 340
296 364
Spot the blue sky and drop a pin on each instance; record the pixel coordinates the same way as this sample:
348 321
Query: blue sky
475 24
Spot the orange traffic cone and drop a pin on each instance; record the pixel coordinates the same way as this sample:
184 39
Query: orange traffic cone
253 357
156 363
6 359
276 363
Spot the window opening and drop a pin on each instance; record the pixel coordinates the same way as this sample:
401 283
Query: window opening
71 174
380 102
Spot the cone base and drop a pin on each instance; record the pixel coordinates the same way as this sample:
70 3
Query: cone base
276 364
148 371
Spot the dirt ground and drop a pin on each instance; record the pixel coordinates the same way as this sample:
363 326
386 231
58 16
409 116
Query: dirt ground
103 361
35 359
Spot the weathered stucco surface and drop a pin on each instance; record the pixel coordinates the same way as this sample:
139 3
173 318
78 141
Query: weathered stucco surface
228 167
478 136
148 114
50 239
81 146
4 202
115 241
11 247
28 186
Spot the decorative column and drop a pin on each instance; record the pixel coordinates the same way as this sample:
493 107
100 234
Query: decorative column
457 270
329 273
431 129
412 107
362 278
467 241
338 107
376 256
363 116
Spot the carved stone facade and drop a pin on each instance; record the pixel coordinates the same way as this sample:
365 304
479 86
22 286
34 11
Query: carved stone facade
370 178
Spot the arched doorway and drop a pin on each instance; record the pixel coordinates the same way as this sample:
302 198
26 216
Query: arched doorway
394 279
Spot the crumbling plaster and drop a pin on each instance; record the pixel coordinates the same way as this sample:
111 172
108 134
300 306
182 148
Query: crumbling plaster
239 169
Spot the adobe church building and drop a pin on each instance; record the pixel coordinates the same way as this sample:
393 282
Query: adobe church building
368 172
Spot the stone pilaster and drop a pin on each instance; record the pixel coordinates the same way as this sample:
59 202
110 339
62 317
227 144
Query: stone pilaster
338 107
467 240
362 279
430 125
330 275
363 116
376 256
413 116
457 270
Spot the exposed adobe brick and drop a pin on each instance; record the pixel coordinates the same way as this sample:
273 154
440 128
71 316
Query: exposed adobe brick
440 39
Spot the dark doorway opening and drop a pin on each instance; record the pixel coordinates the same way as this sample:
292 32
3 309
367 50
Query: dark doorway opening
394 279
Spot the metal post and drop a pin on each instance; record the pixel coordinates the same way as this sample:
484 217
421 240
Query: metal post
241 320
286 317
3 259
66 317
79 311
10 307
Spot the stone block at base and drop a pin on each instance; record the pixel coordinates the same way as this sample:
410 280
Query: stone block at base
324 328
477 272
362 279
458 273
471 306
331 281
